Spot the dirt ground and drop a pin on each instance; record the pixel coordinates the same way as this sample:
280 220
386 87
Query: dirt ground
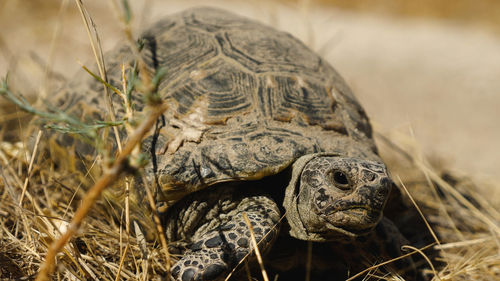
437 80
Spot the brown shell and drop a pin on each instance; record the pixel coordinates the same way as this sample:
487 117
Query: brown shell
246 100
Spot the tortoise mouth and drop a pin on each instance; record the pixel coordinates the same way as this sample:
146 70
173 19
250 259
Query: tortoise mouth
357 220
361 211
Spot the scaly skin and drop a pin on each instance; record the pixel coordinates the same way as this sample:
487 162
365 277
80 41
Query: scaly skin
211 224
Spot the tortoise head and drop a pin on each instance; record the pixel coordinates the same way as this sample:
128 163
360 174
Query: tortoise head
334 197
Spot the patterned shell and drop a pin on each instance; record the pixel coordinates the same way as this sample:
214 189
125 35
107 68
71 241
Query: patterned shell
245 101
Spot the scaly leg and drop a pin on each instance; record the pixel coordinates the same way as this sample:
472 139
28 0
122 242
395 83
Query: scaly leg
218 238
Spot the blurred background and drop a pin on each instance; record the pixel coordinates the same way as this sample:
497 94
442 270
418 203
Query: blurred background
429 69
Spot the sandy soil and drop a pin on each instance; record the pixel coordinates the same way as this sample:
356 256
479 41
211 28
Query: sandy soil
436 80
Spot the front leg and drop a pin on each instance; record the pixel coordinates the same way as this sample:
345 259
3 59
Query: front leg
212 223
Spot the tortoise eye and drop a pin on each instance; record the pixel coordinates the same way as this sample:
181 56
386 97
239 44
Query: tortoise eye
340 179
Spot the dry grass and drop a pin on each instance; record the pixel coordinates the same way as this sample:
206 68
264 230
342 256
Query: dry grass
38 200
465 224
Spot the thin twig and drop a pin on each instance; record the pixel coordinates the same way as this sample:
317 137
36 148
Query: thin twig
100 63
30 167
436 274
122 259
263 238
420 212
25 185
125 18
461 244
387 262
159 227
442 207
256 248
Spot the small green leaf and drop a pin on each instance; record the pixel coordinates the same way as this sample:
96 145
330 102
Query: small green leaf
98 78
127 12
132 81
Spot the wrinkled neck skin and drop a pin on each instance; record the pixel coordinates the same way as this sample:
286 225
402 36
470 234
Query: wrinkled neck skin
317 210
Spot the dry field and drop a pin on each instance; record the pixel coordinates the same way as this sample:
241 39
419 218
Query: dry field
427 76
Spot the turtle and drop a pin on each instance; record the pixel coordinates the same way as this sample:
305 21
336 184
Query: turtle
262 137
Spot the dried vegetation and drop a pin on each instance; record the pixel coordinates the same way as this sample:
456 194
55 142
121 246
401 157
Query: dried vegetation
39 201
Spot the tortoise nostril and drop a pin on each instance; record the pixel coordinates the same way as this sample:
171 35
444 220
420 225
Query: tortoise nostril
369 176
382 192
384 188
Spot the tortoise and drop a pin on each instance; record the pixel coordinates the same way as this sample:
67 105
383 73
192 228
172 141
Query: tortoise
258 126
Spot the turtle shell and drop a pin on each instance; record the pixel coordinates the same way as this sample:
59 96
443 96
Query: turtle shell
246 101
